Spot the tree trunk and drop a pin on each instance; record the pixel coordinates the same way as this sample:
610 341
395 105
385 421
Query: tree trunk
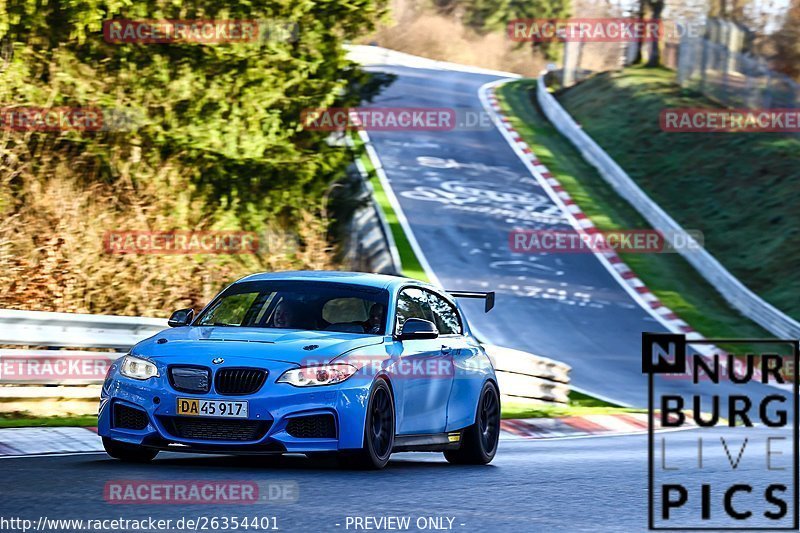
654 59
637 58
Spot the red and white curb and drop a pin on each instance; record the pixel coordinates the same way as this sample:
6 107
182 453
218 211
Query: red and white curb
39 441
18 442
626 277
577 426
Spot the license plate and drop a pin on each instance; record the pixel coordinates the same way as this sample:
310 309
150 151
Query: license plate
215 408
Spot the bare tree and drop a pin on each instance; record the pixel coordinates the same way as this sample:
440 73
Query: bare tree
637 58
656 8
786 42
729 9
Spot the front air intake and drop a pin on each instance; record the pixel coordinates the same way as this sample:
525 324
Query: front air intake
126 417
312 427
212 429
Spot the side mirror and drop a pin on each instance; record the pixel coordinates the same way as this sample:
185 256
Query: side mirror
182 317
417 329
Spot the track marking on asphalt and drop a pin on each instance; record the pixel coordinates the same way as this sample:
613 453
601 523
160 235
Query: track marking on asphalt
372 154
512 139
66 454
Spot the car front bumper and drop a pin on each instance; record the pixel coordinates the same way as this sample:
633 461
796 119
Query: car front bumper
272 407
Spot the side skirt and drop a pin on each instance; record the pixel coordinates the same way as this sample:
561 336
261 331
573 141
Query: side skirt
434 442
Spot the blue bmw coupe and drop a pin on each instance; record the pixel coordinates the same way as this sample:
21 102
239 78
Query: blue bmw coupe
346 365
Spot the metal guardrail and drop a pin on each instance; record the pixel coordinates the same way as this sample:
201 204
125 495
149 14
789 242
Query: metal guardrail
734 291
525 378
395 264
521 376
56 374
36 328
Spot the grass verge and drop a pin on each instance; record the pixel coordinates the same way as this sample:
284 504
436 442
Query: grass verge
669 276
737 188
411 267
579 404
25 420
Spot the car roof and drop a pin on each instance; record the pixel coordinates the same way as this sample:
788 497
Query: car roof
365 279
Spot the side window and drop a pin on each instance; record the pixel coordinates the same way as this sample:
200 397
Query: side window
412 303
445 315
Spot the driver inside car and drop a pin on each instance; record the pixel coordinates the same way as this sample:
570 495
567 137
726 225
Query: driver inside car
374 324
285 316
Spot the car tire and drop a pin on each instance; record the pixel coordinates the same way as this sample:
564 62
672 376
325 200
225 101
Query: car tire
128 453
479 441
378 431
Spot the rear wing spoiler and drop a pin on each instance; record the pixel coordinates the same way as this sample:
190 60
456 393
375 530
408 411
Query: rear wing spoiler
488 296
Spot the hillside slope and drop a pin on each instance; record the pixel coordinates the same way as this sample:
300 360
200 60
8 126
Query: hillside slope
740 189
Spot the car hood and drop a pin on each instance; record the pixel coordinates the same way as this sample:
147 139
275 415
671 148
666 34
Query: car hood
191 343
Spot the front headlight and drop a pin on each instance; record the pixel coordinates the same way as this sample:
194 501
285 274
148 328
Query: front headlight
314 376
137 368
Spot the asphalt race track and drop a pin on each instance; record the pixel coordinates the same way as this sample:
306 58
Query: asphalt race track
564 306
586 484
529 485
463 192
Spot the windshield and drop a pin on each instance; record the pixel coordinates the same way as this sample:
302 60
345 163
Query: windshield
300 305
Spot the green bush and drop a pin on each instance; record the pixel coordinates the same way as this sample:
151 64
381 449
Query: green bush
216 142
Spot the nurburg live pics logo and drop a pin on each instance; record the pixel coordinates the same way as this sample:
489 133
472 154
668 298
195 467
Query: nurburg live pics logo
738 468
